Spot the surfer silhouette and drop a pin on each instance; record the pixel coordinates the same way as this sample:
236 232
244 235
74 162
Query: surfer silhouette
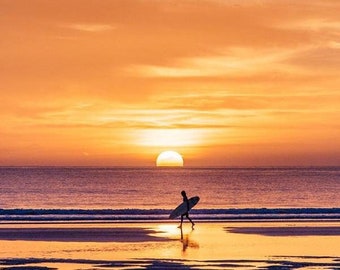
186 214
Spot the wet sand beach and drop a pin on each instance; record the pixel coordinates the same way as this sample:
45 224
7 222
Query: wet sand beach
251 245
79 234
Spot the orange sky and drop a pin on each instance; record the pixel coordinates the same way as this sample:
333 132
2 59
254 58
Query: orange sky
225 83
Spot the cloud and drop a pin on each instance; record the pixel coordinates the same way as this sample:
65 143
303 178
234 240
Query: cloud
320 60
90 27
109 73
234 62
314 24
252 101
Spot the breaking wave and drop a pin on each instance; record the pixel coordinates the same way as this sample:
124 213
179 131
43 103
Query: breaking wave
149 215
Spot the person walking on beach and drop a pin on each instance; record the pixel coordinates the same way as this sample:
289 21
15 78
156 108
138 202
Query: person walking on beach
186 214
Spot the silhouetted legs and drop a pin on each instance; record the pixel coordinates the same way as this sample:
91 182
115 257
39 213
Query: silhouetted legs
192 223
187 216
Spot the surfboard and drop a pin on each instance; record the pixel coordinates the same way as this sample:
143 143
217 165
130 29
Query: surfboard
182 208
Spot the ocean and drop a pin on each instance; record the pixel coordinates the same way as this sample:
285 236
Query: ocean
148 193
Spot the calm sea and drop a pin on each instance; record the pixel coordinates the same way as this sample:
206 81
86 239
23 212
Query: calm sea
145 190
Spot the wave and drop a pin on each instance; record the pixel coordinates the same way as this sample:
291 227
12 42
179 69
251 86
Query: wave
121 215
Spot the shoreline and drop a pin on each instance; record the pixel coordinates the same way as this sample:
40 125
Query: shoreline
199 221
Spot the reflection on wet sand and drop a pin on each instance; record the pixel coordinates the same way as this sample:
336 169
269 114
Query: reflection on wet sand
184 235
187 242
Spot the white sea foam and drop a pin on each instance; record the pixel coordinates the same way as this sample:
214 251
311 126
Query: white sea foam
163 214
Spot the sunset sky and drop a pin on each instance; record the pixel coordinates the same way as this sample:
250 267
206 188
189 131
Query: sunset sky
224 83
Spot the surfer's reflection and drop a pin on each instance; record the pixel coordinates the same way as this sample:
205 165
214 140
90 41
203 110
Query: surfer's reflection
187 242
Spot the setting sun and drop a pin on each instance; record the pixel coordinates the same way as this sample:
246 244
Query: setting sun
169 159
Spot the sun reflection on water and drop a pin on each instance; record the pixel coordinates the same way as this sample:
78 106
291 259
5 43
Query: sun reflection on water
184 235
167 230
